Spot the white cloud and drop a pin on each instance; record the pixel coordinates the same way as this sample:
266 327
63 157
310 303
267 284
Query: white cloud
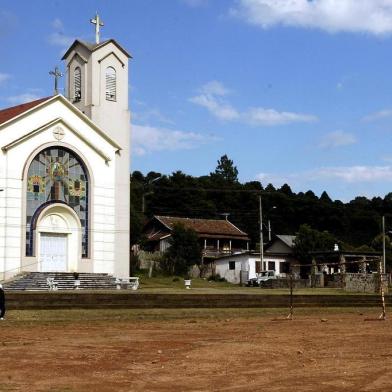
28 96
216 107
353 16
215 88
148 139
337 139
357 173
212 97
151 115
345 174
58 37
386 113
270 117
4 77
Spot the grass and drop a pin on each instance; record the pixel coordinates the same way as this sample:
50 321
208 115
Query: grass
28 318
175 285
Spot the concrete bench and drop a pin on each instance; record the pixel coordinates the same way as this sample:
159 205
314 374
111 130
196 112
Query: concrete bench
52 284
127 283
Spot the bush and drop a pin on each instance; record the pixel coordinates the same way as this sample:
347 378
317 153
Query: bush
183 253
216 278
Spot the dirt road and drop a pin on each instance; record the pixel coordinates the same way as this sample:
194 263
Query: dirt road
226 350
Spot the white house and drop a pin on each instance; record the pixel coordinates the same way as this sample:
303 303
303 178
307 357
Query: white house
278 256
64 170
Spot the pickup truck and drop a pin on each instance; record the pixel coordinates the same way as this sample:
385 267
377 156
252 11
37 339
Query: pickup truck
261 277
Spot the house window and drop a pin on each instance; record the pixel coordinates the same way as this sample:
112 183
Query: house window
77 84
285 267
110 84
231 265
271 265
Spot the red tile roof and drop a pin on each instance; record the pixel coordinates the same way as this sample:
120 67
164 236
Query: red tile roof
9 113
206 227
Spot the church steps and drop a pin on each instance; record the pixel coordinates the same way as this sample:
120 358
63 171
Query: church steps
37 281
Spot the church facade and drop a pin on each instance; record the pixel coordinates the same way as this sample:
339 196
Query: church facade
64 171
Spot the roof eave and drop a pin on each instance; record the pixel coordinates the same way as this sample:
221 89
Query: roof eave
74 109
20 115
77 41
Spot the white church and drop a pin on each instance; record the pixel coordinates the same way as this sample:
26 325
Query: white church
64 170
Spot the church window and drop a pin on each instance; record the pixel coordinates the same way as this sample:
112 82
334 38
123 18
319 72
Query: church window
77 84
56 175
110 84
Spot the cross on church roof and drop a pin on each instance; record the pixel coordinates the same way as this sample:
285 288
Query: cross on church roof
57 74
58 133
98 23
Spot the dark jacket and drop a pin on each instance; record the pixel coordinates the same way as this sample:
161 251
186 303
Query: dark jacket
2 298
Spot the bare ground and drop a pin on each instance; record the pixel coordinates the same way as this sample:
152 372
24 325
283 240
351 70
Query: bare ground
195 350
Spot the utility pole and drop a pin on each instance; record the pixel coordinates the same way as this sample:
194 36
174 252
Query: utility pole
261 234
383 243
269 230
148 193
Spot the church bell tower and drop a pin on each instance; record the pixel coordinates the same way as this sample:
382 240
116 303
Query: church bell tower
97 84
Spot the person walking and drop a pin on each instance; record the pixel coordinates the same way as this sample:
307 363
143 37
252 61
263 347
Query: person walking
2 303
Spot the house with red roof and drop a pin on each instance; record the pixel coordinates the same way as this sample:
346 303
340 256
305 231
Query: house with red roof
217 237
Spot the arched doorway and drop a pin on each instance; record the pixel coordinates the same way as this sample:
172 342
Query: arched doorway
57 175
58 239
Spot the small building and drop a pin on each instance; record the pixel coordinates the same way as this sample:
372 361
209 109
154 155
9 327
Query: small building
217 237
278 256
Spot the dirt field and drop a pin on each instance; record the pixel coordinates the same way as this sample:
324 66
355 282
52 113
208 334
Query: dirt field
195 350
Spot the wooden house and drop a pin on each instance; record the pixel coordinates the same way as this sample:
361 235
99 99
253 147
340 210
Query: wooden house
217 237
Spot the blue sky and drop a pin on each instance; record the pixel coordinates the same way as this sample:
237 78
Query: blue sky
293 91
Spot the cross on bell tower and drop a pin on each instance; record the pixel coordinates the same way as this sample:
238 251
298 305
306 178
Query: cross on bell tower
98 24
57 75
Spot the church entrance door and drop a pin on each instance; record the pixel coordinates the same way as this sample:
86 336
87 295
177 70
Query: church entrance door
53 252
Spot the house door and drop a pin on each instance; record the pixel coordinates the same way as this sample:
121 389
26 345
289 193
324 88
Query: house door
53 252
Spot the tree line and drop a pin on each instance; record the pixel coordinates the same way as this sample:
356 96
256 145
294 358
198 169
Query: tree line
355 224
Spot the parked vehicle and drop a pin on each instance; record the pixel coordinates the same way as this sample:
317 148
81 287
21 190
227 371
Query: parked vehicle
261 277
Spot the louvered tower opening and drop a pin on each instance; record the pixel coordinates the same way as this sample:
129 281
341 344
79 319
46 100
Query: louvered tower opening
110 84
78 84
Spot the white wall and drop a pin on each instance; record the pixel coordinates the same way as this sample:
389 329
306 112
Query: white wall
232 276
246 262
114 118
102 186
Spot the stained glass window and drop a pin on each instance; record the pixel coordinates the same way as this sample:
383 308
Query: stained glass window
56 175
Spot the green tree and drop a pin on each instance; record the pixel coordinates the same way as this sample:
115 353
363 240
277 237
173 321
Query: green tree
184 251
378 242
226 170
325 197
286 190
309 240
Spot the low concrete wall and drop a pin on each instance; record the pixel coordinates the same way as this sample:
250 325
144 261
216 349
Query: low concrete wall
365 283
285 283
148 258
137 300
